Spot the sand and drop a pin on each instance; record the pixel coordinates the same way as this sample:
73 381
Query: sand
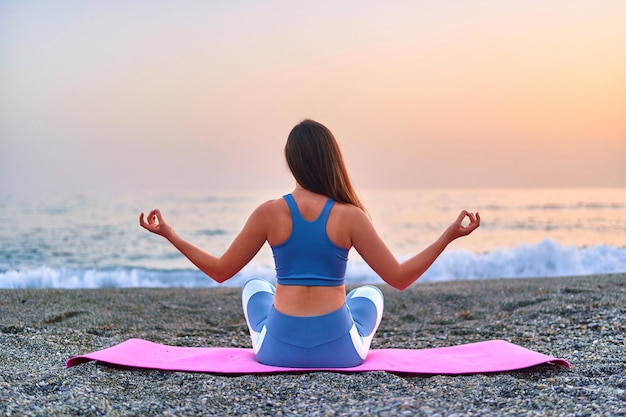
580 319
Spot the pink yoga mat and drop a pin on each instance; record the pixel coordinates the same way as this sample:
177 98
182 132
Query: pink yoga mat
481 357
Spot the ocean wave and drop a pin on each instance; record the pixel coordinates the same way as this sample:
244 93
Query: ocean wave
45 277
544 259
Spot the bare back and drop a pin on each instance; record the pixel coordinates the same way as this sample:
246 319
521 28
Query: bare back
308 300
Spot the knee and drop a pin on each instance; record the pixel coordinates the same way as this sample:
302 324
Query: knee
366 303
254 286
370 292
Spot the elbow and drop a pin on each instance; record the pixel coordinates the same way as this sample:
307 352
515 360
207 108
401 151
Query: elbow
219 280
220 277
401 286
397 284
217 271
400 282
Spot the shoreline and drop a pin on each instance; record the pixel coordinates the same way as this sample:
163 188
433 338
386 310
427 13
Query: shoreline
580 319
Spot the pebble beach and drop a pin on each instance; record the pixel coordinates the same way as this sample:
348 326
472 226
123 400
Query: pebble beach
580 319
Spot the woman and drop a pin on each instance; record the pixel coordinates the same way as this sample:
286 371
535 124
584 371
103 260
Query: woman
307 320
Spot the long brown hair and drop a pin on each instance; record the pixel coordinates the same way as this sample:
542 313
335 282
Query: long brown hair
315 161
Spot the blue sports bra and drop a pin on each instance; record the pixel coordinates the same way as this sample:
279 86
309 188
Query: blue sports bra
308 257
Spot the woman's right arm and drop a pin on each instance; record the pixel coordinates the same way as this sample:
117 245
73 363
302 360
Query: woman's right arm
400 275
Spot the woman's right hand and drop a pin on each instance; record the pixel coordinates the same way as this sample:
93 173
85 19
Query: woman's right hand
457 229
156 224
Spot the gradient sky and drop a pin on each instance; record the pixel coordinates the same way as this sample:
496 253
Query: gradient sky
128 96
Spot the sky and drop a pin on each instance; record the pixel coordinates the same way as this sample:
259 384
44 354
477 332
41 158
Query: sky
199 96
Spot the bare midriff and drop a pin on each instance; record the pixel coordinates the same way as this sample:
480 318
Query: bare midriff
296 300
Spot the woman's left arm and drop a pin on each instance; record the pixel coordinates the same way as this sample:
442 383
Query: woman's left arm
241 251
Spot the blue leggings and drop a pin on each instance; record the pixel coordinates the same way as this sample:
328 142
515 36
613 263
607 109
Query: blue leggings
339 339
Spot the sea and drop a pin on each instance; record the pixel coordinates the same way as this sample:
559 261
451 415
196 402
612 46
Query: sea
95 241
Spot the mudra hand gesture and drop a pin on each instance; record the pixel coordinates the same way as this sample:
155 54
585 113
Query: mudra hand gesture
155 223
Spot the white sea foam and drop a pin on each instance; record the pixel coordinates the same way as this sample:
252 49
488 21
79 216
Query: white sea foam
545 259
95 241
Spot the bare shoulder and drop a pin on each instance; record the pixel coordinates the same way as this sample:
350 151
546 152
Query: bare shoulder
351 214
270 208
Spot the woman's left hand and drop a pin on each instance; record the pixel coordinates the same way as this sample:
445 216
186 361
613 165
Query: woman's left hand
156 224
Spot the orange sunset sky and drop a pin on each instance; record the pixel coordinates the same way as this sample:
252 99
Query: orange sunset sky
130 96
